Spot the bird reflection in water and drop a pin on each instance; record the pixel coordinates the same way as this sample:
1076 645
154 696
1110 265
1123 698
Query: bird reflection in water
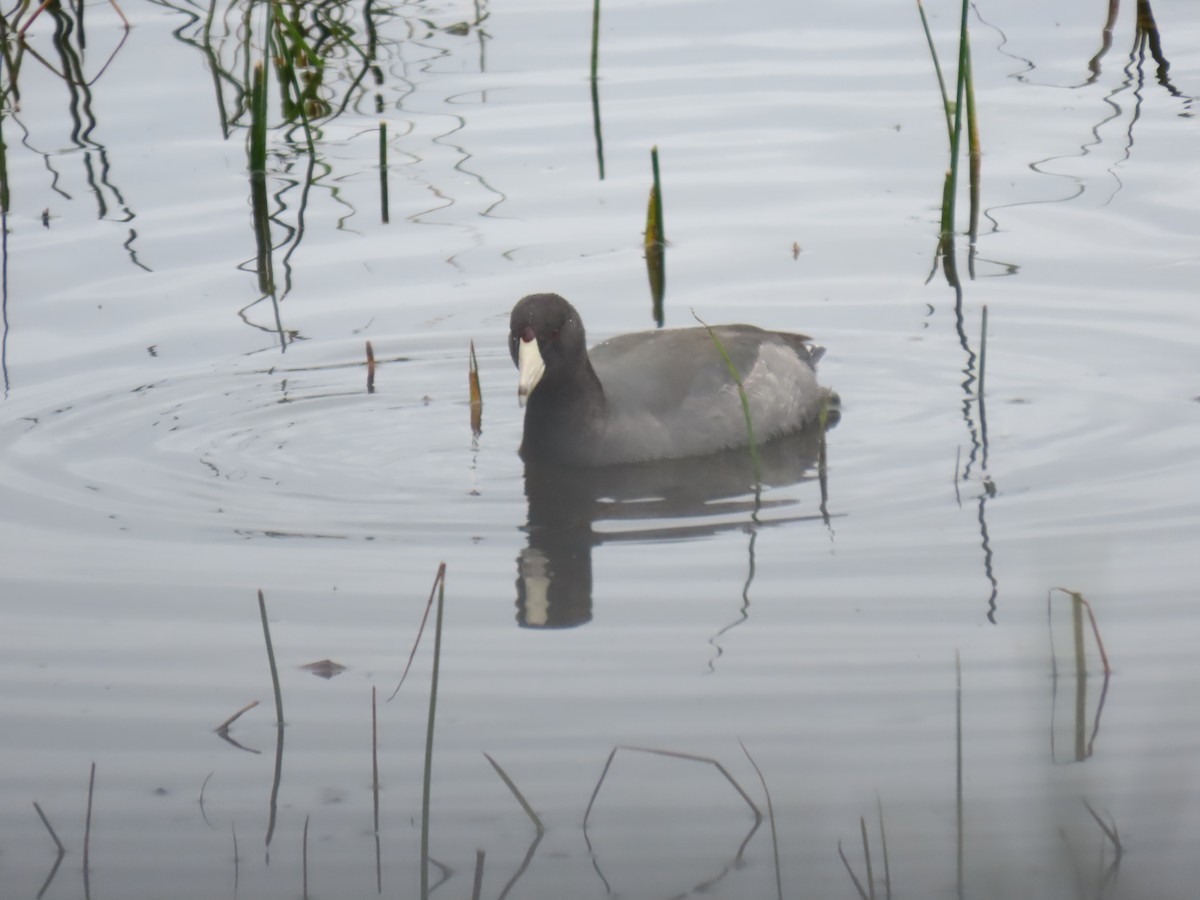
668 500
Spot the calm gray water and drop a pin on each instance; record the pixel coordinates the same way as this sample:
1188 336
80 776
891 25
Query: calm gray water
175 437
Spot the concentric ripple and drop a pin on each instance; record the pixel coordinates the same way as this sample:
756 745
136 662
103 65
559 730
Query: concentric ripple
293 448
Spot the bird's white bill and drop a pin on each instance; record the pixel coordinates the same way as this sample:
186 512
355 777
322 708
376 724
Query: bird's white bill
531 367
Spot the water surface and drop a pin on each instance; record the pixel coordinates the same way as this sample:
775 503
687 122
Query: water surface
186 421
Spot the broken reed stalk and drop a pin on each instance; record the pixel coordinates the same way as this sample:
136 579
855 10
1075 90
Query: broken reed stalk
475 392
49 828
427 781
516 792
262 611
420 631
670 754
383 173
741 393
370 368
223 728
1081 603
850 871
1110 832
862 827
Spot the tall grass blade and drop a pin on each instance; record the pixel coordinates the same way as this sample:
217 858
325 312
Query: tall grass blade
753 444
427 781
262 611
273 803
258 119
770 818
974 153
259 203
420 631
947 107
956 137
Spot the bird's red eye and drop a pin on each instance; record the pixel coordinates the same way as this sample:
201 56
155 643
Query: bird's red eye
554 335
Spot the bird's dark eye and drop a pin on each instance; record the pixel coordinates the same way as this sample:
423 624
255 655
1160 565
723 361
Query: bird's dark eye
554 335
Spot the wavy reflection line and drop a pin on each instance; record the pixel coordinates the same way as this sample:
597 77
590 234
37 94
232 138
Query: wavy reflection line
1147 39
974 413
426 66
69 42
706 884
743 610
1106 39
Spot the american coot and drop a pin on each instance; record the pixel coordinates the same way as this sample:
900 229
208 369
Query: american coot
654 394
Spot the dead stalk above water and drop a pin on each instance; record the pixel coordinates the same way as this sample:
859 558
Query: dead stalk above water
223 728
476 393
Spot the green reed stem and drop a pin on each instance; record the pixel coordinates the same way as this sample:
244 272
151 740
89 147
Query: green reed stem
599 136
956 136
258 119
937 68
659 229
4 194
383 173
741 393
262 611
595 39
974 153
